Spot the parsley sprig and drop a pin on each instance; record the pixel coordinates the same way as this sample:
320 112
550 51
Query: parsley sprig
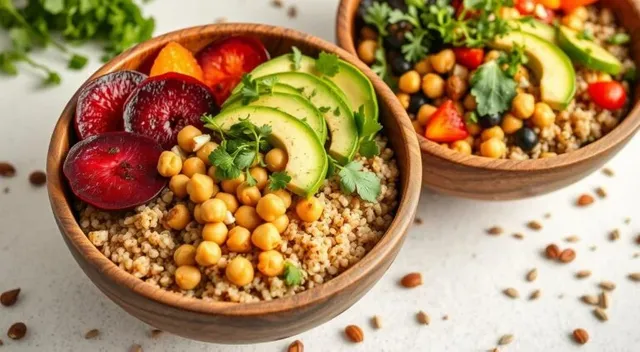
252 88
493 89
354 179
327 64
512 60
367 130
292 275
378 16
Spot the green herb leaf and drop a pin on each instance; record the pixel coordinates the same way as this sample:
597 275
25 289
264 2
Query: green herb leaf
619 39
292 274
249 91
513 59
365 183
244 157
333 166
324 109
224 163
631 75
367 127
472 117
279 180
378 16
416 48
77 62
336 111
54 7
327 64
585 34
369 149
493 89
52 79
296 58
249 179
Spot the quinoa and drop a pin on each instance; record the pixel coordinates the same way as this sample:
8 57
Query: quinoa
140 243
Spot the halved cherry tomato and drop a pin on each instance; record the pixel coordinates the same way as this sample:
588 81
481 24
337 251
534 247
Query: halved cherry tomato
570 5
470 58
550 4
608 95
525 7
225 62
446 125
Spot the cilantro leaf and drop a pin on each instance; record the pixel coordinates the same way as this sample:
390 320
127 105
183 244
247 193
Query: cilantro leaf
365 183
619 39
296 58
416 47
367 127
336 111
77 62
333 166
244 157
292 275
513 59
224 163
249 91
327 64
52 79
378 15
324 109
493 89
279 180
369 149
54 7
249 179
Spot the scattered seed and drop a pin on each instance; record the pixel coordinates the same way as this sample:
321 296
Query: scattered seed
411 280
10 297
6 169
6 190
561 296
627 221
135 348
601 192
601 314
638 239
583 274
38 178
505 340
636 255
634 277
572 239
354 333
445 317
614 235
277 3
511 292
580 336
292 12
296 346
552 251
584 200
376 321
607 285
608 172
495 231
17 331
547 215
221 20
532 275
605 300
593 248
418 221
534 295
92 334
423 318
588 299
567 256
534 225
155 333
518 236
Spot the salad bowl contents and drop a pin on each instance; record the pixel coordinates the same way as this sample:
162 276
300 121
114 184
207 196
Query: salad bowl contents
235 182
518 80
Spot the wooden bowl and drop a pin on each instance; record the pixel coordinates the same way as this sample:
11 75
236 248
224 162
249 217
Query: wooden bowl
224 322
449 172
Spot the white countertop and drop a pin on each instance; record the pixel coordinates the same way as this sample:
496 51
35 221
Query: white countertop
464 269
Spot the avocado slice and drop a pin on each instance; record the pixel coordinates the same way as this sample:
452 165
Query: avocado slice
294 105
550 64
587 52
307 163
537 28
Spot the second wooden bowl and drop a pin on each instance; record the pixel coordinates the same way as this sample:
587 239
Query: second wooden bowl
231 322
449 172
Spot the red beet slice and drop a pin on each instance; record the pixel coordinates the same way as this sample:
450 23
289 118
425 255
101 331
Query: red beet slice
163 105
225 62
101 101
115 170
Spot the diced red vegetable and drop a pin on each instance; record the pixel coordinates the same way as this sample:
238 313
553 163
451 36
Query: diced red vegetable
525 7
570 5
550 4
446 125
470 58
608 95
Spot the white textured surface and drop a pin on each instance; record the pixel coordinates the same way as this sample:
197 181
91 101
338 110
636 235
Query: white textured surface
464 269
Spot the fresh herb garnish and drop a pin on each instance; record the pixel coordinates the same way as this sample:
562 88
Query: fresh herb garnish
292 275
369 149
251 88
378 16
631 75
279 180
296 58
324 109
511 61
327 64
354 179
619 39
472 117
493 89
367 129
336 111
585 34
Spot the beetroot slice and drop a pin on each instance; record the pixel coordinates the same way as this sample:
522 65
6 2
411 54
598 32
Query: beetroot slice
115 170
162 105
101 101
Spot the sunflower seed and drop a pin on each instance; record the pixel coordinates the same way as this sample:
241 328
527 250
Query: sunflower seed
511 292
92 334
614 235
376 321
588 299
583 274
532 275
600 314
534 225
607 285
605 300
634 277
505 340
495 231
572 239
534 295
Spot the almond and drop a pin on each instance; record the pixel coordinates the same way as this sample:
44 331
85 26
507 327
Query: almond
411 280
585 200
10 297
423 318
354 333
17 331
552 251
296 346
567 256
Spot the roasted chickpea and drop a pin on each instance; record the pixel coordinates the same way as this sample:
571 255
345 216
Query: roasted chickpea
248 217
230 186
444 61
260 175
203 153
200 188
508 13
239 240
185 138
284 195
271 263
473 128
239 271
492 55
493 132
193 166
409 82
404 99
456 87
433 85
270 207
417 127
248 195
197 214
276 159
367 51
543 115
573 22
215 232
229 200
169 164
178 217
470 103
368 33
213 210
461 146
208 253
185 255
493 148
511 124
281 223
266 237
309 210
580 12
178 185
425 113
523 105
423 66
187 277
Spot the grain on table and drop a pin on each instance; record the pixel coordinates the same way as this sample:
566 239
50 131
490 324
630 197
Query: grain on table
354 333
580 336
10 297
585 200
423 318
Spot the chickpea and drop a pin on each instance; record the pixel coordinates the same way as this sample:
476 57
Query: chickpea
169 164
456 87
239 271
423 66
178 185
433 85
193 166
229 200
511 124
580 12
470 103
178 217
508 13
281 223
213 210
493 132
200 188
523 105
215 232
309 210
260 175
493 148
367 51
239 240
548 155
425 113
368 33
473 128
276 159
185 138
409 82
271 263
521 74
404 99
492 55
203 153
573 22
462 146
230 186
188 277
270 207
543 115
248 195
185 255
418 127
197 214
284 195
444 61
266 237
208 253
248 217
459 108
211 172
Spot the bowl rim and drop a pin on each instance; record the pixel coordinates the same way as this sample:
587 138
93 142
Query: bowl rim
392 238
604 145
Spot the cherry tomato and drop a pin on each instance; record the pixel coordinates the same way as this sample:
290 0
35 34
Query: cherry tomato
570 5
608 95
446 125
548 15
470 58
525 7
